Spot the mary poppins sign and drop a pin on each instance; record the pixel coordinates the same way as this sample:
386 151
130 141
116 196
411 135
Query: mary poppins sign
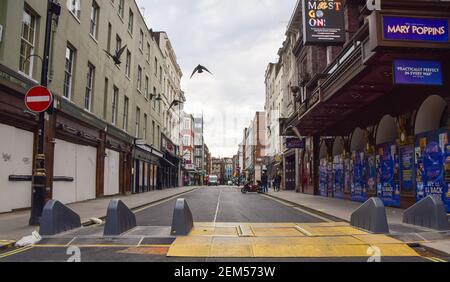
416 29
323 22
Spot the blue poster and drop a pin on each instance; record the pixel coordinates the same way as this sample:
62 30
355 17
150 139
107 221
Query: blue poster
323 181
370 173
338 168
407 169
357 189
388 188
432 165
330 179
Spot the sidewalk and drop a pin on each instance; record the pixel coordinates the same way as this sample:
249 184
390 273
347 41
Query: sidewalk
338 208
14 226
343 209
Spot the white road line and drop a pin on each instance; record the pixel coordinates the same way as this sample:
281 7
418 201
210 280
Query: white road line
217 208
140 241
71 241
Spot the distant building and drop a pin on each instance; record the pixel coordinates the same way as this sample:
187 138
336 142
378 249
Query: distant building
217 167
199 149
254 147
227 169
187 133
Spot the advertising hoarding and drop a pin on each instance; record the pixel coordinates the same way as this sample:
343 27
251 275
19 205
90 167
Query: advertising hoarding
432 164
388 173
323 22
358 191
338 172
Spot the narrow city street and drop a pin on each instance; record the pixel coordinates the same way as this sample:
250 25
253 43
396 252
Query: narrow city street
229 131
212 207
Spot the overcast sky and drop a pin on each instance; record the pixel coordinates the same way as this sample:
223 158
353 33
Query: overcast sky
235 40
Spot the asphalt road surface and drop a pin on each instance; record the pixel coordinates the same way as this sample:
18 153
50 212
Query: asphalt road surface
225 204
212 204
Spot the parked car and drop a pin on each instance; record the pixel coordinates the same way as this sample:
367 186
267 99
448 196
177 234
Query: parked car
213 180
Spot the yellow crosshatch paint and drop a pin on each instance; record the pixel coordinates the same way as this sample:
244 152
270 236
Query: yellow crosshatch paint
286 240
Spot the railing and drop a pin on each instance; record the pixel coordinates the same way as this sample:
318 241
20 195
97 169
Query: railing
351 52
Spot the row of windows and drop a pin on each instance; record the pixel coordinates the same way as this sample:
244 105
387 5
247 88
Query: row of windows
28 33
74 7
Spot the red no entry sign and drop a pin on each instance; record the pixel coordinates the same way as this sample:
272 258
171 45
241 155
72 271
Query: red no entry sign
38 99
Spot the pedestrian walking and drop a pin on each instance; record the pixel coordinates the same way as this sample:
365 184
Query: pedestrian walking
278 182
264 182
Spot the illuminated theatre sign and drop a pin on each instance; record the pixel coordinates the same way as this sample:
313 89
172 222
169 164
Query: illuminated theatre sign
418 72
416 29
323 22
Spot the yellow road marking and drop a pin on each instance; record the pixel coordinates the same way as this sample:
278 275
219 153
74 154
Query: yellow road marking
431 259
286 240
6 242
438 259
245 230
14 252
302 230
103 246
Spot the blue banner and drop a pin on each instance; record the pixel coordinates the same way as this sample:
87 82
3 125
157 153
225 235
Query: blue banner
433 165
407 170
357 189
338 171
323 180
370 173
388 170
419 72
416 29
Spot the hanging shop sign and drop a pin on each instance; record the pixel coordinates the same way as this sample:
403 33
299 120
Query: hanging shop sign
418 72
323 22
388 173
338 171
416 29
294 143
433 165
358 191
407 168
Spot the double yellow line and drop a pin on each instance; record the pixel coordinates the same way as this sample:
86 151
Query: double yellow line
434 259
14 252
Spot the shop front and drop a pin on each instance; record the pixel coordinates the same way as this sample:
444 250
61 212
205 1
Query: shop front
290 169
387 92
146 173
171 164
190 173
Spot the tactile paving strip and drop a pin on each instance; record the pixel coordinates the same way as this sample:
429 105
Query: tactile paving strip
285 240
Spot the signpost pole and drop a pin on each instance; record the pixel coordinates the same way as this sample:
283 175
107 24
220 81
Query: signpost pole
39 174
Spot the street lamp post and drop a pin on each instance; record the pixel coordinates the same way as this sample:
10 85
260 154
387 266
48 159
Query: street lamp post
39 174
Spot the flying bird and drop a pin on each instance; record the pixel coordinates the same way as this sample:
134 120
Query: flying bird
175 103
116 57
199 69
156 96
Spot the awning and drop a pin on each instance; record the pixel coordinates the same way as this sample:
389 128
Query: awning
168 162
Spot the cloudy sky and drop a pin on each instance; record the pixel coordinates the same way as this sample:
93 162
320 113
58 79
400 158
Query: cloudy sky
235 40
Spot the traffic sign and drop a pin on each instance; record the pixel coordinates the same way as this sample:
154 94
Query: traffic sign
38 99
